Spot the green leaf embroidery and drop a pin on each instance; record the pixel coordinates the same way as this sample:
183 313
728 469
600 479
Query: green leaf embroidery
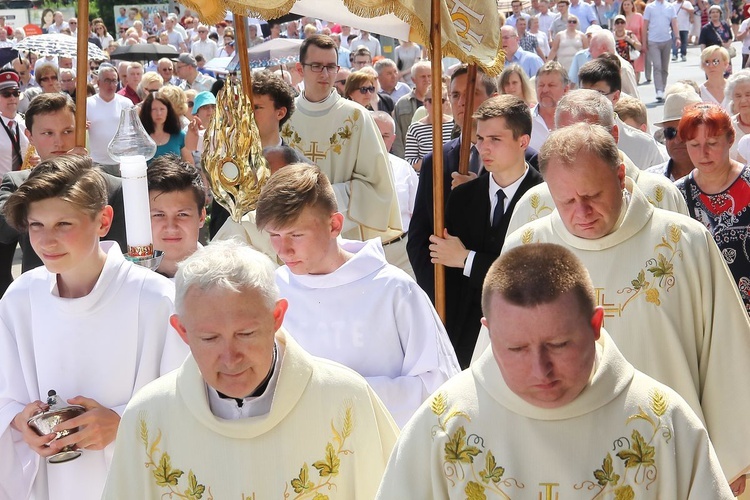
164 473
456 450
491 471
606 474
640 452
639 282
330 465
474 491
302 482
195 491
662 269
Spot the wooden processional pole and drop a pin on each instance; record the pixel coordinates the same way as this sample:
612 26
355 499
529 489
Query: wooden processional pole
437 147
241 38
463 158
82 71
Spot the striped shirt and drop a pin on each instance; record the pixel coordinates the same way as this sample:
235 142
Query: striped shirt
419 140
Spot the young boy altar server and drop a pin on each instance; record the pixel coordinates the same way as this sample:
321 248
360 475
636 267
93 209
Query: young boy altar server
346 303
553 409
249 414
89 324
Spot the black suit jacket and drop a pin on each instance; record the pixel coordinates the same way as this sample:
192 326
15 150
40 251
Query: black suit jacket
468 218
422 220
9 237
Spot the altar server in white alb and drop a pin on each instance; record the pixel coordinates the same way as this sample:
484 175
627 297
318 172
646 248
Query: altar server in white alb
249 414
553 409
89 325
346 303
670 302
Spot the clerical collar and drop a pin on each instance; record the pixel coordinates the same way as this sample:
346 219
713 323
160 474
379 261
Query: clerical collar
261 387
625 204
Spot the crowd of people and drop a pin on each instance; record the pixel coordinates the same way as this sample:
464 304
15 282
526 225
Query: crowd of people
597 276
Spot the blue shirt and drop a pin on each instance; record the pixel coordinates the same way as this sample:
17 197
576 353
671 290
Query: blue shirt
659 15
174 145
528 61
584 13
581 58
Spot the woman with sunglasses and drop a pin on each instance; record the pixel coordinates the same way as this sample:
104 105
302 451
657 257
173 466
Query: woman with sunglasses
105 39
362 88
717 32
567 43
634 24
625 40
717 191
715 61
48 77
419 133
737 95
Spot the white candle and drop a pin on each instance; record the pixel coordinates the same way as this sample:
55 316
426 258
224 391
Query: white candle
135 199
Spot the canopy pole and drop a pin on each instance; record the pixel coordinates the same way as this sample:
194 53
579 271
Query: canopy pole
82 71
437 148
463 158
240 35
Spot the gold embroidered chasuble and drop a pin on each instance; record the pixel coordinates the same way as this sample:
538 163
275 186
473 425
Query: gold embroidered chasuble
327 436
341 138
661 192
673 309
626 436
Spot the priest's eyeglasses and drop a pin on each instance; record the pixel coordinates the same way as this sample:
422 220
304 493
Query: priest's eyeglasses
318 68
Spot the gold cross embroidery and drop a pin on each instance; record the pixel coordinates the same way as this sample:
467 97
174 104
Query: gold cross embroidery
610 310
313 154
548 491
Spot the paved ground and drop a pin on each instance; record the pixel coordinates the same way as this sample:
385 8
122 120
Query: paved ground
691 69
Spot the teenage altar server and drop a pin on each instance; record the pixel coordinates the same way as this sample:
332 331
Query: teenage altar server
249 414
553 409
346 303
89 325
670 302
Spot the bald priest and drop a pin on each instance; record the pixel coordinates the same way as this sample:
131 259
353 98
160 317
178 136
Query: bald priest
552 410
249 414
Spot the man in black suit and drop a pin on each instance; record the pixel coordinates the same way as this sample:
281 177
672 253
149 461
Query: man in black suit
422 221
478 213
50 128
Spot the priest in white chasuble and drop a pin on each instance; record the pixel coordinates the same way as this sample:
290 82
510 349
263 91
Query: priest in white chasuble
553 410
249 414
346 303
340 137
590 106
670 302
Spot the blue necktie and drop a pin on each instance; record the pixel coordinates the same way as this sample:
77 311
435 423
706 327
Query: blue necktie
497 214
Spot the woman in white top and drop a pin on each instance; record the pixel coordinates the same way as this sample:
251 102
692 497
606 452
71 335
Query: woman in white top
419 134
406 54
738 95
715 61
105 39
541 36
567 43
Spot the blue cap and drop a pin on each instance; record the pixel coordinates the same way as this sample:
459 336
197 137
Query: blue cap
202 99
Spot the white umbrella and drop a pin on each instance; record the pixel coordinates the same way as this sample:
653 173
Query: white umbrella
57 45
336 11
274 52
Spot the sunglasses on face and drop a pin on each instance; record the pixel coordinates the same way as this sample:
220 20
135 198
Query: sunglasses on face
572 22
10 93
190 104
712 62
366 90
428 100
48 78
670 133
340 82
619 22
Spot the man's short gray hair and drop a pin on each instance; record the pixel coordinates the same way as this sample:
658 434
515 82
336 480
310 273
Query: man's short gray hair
585 103
419 65
383 64
383 117
605 38
67 71
226 265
